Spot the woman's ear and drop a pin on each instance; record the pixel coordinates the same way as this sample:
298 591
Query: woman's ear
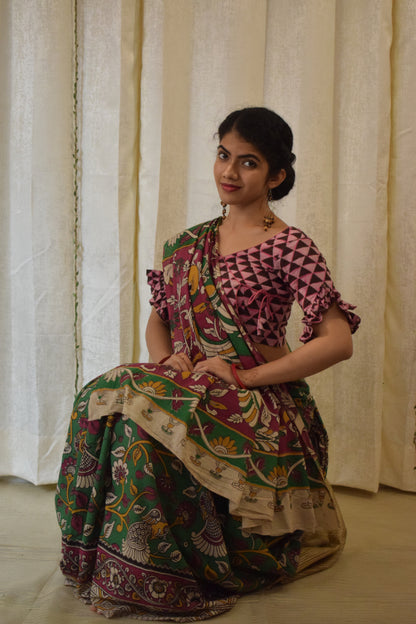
277 179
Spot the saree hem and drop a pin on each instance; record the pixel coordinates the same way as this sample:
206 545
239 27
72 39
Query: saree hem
251 497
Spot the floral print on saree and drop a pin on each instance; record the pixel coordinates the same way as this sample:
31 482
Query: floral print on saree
178 492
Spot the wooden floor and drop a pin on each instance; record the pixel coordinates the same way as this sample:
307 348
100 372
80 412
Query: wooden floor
373 582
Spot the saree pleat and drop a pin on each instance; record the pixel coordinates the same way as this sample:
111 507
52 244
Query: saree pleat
178 492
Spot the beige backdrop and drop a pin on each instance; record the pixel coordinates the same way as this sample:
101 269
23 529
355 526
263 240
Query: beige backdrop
154 80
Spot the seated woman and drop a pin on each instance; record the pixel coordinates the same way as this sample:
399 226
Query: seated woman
191 480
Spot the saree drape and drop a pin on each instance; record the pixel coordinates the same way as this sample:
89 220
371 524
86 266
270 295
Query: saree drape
343 74
181 482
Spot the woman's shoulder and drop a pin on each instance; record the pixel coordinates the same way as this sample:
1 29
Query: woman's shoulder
294 238
293 233
189 235
293 249
289 239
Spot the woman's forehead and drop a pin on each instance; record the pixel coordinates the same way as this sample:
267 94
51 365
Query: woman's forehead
234 142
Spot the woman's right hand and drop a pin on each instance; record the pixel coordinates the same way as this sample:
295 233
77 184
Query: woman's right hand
180 362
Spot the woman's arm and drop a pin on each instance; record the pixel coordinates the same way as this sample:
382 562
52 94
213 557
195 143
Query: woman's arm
331 344
160 346
157 337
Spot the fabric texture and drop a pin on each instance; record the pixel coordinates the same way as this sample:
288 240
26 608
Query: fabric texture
177 491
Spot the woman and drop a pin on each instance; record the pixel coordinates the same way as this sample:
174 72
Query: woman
201 476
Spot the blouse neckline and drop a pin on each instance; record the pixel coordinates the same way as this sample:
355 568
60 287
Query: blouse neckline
268 241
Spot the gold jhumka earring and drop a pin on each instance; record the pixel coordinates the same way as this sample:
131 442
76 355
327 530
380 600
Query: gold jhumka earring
224 210
268 220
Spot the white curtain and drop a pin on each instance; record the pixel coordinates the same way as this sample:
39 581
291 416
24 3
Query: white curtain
42 99
154 80
37 355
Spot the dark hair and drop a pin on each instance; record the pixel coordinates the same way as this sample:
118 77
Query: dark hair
271 135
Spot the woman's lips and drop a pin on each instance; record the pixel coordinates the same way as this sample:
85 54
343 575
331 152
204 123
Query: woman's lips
230 188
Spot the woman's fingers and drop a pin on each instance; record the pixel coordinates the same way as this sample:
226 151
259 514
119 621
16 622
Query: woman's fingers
210 364
217 366
180 361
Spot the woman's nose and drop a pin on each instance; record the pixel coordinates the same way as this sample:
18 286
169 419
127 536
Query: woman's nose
230 170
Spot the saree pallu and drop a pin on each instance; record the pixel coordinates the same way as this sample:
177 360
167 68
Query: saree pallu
179 492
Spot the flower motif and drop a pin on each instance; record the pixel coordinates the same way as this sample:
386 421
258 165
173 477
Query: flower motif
135 545
155 388
68 466
115 579
224 446
120 471
193 599
157 588
278 476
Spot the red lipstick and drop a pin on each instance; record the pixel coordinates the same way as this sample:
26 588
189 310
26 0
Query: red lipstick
230 188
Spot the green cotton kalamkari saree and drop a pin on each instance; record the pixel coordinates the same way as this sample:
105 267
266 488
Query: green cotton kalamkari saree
177 492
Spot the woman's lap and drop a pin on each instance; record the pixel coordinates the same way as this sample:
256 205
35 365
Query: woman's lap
141 535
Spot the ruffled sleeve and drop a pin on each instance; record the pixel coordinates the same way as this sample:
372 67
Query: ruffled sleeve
157 287
307 276
321 303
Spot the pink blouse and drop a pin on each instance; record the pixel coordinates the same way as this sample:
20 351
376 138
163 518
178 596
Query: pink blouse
261 283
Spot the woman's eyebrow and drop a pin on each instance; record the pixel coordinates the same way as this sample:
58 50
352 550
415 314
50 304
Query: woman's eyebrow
223 148
249 156
241 155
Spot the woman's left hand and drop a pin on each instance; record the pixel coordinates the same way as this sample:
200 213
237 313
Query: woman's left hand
217 366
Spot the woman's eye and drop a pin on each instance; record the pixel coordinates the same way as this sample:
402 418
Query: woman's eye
250 163
222 156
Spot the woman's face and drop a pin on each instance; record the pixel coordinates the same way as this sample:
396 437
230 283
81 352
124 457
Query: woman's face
241 172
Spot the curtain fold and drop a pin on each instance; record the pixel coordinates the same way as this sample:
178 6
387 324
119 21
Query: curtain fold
398 423
154 80
36 232
361 157
110 60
